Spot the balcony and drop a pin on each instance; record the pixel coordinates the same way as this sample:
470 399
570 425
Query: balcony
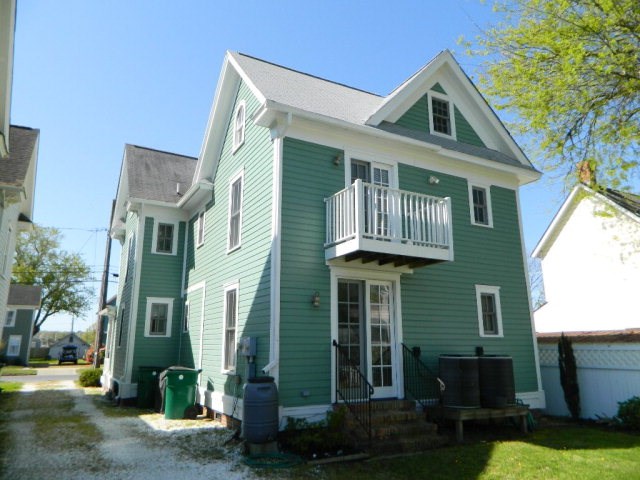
374 223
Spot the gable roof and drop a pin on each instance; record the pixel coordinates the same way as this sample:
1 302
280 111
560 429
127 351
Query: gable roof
24 295
14 168
65 341
627 203
283 90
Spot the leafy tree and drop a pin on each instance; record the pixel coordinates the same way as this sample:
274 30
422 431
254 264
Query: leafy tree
63 276
569 376
571 70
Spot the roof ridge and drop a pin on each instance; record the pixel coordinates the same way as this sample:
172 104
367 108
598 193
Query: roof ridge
161 151
22 127
309 75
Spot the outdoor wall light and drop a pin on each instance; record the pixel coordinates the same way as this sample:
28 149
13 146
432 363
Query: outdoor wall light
337 159
315 299
433 180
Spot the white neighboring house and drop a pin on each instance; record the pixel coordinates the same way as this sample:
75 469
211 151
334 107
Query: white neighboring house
590 258
71 339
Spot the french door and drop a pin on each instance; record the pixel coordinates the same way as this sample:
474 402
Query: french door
376 195
366 328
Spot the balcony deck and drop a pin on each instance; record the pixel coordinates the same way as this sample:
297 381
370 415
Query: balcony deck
372 223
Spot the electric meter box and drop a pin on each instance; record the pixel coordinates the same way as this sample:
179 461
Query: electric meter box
247 346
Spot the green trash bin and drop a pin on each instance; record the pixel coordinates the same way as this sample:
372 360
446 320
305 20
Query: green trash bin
148 386
179 387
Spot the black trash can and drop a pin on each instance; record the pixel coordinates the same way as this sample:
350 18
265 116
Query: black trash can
148 386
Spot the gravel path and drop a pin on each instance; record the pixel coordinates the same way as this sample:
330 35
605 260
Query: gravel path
59 431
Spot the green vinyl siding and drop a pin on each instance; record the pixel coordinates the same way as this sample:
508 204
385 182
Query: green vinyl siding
438 88
308 176
249 265
125 296
465 132
160 276
439 311
417 117
22 326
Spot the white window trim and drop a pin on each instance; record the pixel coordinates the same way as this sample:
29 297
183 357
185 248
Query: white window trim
227 288
200 226
452 115
239 175
495 291
13 318
121 313
19 337
185 317
472 217
237 143
174 240
147 321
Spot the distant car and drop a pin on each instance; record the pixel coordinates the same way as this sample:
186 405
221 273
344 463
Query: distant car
68 354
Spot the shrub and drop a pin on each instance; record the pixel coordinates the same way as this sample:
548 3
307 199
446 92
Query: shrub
90 377
569 376
308 438
629 413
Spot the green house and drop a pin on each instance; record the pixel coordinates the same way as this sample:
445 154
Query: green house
15 342
319 214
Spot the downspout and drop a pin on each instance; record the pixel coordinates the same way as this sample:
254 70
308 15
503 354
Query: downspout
277 134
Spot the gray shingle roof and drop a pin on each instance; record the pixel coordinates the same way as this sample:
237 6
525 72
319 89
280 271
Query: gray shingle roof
153 175
13 170
306 92
24 295
627 201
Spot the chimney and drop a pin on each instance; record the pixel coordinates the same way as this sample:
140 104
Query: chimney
586 173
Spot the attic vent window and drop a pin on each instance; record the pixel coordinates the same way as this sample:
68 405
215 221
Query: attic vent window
440 114
238 126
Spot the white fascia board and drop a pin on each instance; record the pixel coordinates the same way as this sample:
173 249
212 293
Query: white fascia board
122 194
417 83
228 83
523 175
552 231
406 89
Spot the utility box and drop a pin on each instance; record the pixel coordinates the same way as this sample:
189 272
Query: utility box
247 346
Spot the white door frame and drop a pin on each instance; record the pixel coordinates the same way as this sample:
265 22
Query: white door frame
366 275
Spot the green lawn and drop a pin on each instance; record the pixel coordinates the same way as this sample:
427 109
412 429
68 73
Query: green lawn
569 452
43 362
13 370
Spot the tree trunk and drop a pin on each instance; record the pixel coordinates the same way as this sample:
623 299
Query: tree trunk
569 376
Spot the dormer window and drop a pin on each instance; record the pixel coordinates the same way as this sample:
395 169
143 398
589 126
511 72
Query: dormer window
441 116
238 126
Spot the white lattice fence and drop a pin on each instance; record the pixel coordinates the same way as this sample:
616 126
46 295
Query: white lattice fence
607 374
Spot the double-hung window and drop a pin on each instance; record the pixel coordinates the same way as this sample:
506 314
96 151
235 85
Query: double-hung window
11 319
480 205
489 311
13 346
230 325
235 213
158 321
185 318
165 238
123 308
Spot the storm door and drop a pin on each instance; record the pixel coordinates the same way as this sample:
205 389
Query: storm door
366 330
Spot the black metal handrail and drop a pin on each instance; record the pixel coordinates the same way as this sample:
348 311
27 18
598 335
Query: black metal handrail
420 382
353 388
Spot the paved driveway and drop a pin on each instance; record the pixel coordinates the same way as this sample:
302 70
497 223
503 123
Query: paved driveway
48 374
54 429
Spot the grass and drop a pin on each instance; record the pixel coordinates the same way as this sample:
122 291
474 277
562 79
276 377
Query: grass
44 363
10 387
561 453
14 370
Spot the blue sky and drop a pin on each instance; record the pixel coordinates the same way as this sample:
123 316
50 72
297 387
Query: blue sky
94 75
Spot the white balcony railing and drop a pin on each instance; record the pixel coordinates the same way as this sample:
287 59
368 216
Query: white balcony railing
386 220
